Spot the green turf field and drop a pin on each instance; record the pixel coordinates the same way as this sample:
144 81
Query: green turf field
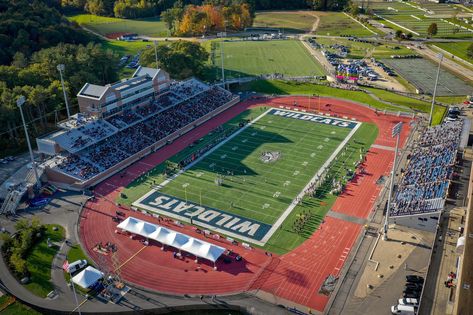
106 25
285 238
252 58
286 21
337 24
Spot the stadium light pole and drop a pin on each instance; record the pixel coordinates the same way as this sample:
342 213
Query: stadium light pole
435 89
156 53
396 132
60 68
221 61
19 102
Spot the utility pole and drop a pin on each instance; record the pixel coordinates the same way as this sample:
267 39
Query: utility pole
396 132
61 68
20 101
435 89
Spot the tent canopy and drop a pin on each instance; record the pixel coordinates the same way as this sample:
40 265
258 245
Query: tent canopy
172 238
87 277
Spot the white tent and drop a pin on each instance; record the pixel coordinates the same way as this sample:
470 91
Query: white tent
87 277
172 238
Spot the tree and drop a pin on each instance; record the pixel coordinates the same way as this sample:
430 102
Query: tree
432 30
409 36
399 34
181 59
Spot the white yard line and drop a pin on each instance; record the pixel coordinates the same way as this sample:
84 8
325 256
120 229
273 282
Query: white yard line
360 23
167 181
291 207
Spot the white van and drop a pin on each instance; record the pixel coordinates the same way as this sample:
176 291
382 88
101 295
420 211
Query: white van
76 265
404 309
409 301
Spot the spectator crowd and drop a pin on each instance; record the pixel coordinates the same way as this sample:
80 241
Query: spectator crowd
424 183
141 127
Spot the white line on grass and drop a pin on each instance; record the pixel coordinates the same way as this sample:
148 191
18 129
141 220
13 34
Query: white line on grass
291 207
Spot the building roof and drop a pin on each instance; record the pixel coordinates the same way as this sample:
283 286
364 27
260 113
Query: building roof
92 90
152 72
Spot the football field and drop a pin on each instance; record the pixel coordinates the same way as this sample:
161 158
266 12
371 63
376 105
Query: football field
247 185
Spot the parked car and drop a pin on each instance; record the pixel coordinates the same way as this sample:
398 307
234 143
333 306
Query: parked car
414 279
412 295
403 309
414 286
408 301
76 265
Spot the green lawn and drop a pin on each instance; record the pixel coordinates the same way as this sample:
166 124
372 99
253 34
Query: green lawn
458 49
337 24
288 137
361 50
288 88
108 25
125 48
16 308
251 58
39 261
286 21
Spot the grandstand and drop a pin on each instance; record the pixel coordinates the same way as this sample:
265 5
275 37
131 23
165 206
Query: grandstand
424 183
117 130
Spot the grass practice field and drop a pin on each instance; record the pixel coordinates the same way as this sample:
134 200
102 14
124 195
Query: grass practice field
297 141
108 25
286 21
416 18
422 73
458 49
337 24
253 58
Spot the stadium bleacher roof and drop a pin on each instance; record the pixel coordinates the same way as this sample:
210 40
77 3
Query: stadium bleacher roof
172 238
92 90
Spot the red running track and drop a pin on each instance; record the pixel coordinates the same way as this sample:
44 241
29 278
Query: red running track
296 276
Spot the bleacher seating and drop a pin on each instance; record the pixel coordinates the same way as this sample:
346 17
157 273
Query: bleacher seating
142 127
426 179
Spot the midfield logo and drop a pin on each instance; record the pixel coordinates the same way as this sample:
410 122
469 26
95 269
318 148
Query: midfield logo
204 216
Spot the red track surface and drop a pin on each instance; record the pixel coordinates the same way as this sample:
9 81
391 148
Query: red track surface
296 276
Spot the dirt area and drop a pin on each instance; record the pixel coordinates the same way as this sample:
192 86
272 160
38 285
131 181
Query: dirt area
385 81
388 257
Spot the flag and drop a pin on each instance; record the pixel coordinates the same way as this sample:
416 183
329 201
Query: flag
65 265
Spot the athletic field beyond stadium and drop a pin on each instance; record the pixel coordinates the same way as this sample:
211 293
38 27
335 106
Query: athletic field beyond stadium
248 184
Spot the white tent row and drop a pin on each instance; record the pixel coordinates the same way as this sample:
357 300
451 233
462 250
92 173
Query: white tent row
87 277
172 238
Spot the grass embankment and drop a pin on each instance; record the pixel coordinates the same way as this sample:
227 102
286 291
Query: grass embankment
104 26
39 261
339 24
10 306
293 88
